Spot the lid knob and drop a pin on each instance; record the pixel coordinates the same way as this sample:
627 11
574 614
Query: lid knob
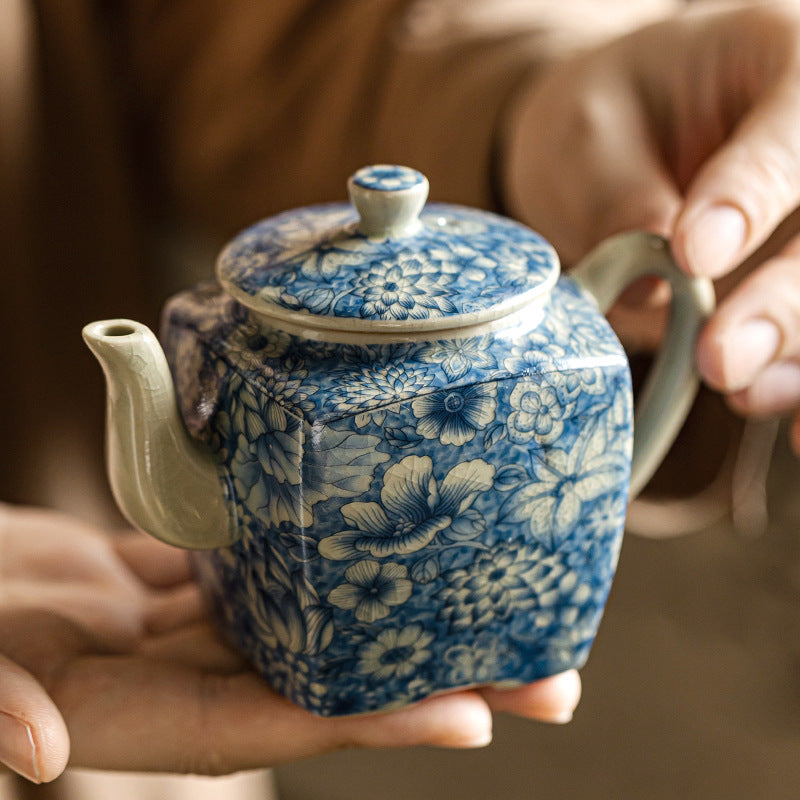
388 199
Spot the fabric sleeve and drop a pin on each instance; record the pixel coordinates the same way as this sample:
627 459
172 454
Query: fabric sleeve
252 108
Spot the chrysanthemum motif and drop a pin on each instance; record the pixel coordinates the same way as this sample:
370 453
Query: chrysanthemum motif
374 385
372 589
455 415
538 413
494 585
478 662
405 287
395 653
414 507
459 356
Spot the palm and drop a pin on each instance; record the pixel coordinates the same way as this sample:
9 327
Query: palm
113 629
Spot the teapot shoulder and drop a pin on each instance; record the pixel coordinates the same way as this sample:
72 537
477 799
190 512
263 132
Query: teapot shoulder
213 342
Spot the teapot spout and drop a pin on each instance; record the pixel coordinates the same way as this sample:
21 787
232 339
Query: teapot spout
165 482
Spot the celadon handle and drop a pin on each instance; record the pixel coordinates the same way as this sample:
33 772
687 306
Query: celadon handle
672 384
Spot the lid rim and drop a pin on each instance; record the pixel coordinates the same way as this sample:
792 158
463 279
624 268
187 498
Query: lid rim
308 319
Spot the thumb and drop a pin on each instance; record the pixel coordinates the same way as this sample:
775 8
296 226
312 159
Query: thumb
33 737
745 189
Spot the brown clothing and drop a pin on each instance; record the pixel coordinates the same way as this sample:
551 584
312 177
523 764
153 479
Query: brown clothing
126 122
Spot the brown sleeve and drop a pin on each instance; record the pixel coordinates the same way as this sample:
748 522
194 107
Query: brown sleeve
257 107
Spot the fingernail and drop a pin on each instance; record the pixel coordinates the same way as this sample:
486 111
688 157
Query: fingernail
715 241
17 748
562 718
746 350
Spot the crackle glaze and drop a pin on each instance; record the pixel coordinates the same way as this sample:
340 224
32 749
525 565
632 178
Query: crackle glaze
398 443
416 516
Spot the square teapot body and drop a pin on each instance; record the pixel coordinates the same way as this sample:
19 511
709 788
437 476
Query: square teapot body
415 516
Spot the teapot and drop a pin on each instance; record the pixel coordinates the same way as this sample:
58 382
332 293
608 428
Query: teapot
398 443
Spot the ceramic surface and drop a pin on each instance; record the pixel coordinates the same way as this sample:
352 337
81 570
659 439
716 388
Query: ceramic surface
415 517
400 446
456 266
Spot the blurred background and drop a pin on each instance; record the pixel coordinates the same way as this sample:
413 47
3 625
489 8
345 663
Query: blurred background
128 155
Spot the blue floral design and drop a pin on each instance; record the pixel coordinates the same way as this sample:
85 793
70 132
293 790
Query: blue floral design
367 389
388 178
551 504
417 515
459 262
454 417
489 588
538 413
395 653
414 507
406 287
459 357
372 589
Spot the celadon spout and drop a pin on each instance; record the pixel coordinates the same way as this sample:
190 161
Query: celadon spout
165 483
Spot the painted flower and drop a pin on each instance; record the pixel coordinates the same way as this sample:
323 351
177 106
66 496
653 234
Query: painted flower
459 356
490 588
366 389
286 608
551 505
414 508
251 346
405 287
372 589
538 413
606 516
478 662
274 477
537 354
395 653
455 415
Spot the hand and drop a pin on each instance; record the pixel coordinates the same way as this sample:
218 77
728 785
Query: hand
104 648
689 127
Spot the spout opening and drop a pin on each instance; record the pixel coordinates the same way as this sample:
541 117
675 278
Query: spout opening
116 329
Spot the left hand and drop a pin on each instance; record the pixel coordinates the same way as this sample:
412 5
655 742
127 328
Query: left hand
690 128
105 649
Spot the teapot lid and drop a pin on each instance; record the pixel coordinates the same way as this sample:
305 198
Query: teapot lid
387 263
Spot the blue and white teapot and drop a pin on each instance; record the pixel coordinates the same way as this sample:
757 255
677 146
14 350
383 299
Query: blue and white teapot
400 445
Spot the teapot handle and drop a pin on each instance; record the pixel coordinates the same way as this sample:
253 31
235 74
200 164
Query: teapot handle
672 384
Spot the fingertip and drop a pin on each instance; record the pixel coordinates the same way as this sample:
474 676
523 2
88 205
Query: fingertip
552 699
710 242
458 720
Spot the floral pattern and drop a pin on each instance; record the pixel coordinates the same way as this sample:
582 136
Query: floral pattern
455 417
414 508
416 516
315 262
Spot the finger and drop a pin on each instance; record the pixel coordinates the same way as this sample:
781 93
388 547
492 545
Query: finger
157 564
776 391
552 699
172 609
197 645
755 326
147 716
33 737
746 188
114 617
